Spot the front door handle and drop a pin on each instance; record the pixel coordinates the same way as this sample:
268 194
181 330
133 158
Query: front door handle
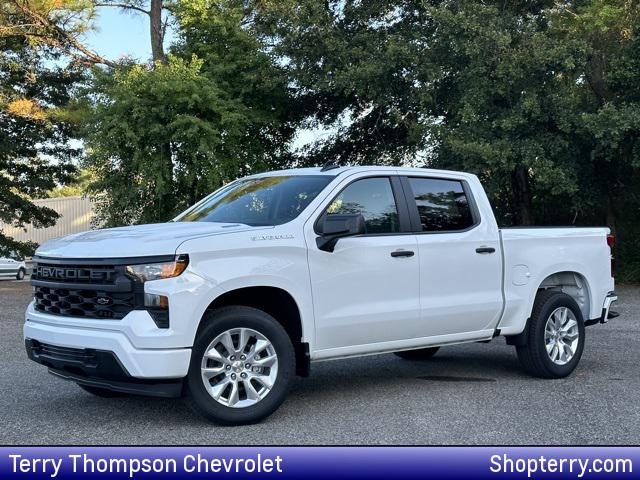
485 250
402 253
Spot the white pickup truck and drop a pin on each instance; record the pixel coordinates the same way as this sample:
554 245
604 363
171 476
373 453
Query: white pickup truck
244 290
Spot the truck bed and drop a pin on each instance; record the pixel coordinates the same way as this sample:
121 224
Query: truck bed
536 257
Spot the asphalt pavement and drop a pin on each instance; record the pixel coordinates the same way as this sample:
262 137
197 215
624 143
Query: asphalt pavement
466 394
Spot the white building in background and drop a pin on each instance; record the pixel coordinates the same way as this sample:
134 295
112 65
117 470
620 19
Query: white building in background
76 214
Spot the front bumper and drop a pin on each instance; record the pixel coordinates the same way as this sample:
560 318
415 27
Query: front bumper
97 368
142 363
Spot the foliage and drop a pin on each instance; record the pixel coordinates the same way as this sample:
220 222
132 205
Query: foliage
608 120
539 98
34 128
479 86
76 186
54 25
161 137
359 67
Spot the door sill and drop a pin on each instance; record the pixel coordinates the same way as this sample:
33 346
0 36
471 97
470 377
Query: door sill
399 345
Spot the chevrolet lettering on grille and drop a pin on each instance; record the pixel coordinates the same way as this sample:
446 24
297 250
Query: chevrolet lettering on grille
78 274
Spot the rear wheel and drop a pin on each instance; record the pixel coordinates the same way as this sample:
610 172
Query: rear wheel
420 354
101 392
242 364
555 337
20 274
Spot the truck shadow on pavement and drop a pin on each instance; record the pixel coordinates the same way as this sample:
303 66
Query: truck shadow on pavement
329 383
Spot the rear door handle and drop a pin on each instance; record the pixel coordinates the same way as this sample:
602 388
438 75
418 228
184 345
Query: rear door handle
402 253
485 250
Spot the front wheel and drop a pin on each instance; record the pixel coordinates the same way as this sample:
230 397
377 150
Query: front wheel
555 337
20 274
242 364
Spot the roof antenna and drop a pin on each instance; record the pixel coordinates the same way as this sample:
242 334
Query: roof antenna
330 165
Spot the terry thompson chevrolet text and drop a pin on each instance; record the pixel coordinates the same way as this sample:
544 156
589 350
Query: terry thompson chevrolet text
244 290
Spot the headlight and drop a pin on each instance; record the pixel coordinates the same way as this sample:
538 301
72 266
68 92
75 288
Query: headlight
157 271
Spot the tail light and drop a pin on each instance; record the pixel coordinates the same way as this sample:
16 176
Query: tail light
611 241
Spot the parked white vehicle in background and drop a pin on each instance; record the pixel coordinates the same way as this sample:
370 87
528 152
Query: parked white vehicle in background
12 266
232 298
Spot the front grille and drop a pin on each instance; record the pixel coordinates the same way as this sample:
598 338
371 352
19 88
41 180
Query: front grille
84 289
85 274
84 303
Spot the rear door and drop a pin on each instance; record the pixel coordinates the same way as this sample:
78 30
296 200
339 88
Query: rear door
460 263
366 291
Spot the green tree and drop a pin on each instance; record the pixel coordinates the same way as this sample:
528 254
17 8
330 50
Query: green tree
610 96
480 86
506 104
62 24
161 137
76 186
56 25
34 128
361 68
608 122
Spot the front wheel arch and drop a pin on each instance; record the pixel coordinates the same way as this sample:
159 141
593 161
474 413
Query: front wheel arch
277 303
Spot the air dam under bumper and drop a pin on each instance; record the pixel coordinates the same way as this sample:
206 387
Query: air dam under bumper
96 368
139 363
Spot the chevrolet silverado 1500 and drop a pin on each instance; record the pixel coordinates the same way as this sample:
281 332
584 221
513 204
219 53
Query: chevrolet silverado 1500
228 301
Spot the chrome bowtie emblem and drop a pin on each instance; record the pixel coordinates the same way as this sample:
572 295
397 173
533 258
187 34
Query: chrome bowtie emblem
103 301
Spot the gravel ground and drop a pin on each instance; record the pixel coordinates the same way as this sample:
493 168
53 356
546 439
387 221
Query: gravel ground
468 394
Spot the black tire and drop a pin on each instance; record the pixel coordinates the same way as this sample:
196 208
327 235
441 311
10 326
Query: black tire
217 322
533 354
420 354
20 274
102 392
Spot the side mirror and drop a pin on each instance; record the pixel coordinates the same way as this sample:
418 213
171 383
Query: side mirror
335 227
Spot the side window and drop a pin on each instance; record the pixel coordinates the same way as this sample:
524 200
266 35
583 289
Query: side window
373 198
442 204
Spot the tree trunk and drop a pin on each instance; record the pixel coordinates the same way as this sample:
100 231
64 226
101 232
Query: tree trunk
157 31
522 197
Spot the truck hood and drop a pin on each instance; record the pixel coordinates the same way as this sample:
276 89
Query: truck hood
134 241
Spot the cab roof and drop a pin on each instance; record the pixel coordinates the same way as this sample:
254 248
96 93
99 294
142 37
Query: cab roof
335 171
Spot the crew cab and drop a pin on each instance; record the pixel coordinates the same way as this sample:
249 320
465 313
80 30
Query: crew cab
227 302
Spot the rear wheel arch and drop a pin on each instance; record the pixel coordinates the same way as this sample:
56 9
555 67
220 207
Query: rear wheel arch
573 284
534 348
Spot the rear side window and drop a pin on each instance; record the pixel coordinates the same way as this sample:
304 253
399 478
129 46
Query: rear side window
373 198
442 204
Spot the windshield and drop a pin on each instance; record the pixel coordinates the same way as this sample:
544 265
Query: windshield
259 201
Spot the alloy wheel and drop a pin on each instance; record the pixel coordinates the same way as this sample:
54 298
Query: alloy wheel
561 335
239 367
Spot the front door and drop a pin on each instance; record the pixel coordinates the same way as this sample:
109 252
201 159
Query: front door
367 290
